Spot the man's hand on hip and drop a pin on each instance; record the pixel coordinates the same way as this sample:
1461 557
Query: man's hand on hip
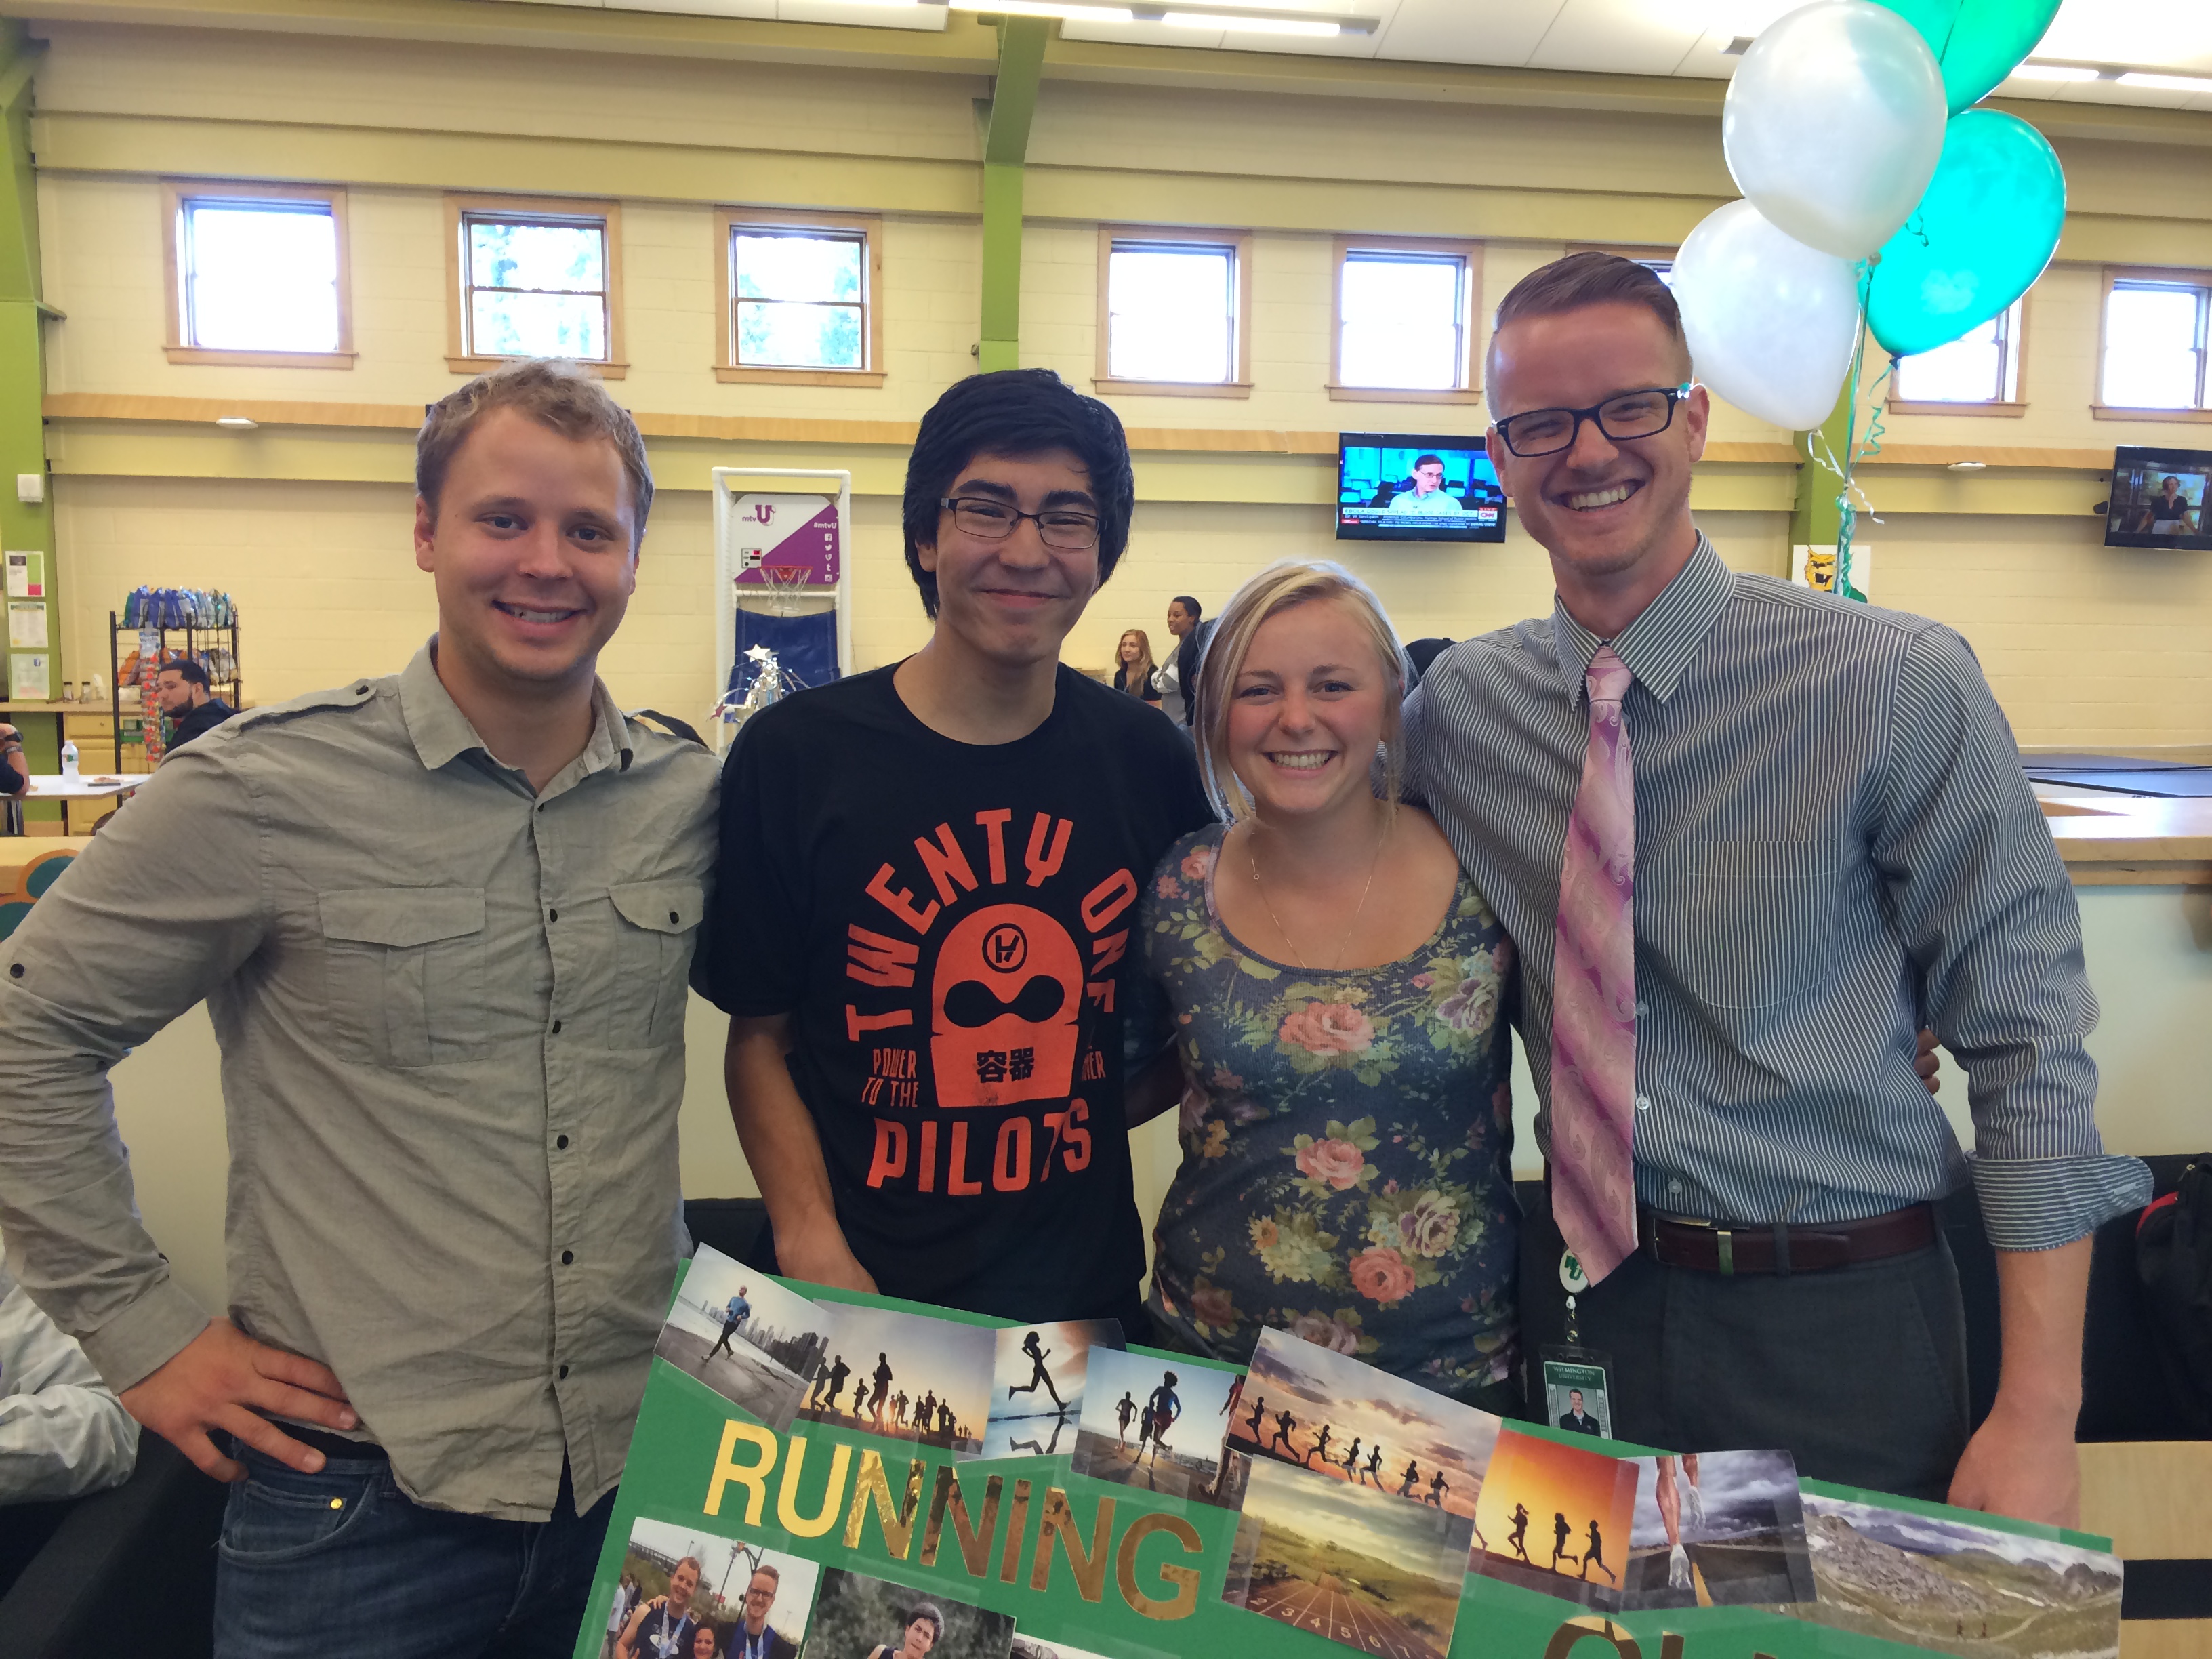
223 1379
2024 1465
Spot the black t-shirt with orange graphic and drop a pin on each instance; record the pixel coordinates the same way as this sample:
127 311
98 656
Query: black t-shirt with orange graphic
951 927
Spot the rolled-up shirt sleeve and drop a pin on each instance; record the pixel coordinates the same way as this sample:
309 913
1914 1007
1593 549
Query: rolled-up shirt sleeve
164 906
1985 907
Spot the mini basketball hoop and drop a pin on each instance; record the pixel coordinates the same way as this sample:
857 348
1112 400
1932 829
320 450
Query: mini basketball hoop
786 584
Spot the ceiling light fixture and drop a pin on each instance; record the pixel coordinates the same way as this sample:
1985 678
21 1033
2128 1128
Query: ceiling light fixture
236 422
1235 25
2166 83
1967 466
1070 12
2054 72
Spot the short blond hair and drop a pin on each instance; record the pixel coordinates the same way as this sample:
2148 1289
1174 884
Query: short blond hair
558 394
1281 586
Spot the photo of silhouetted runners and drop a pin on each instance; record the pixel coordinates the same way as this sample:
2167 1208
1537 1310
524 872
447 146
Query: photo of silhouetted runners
1717 1529
857 1617
1327 1414
1980 1592
746 1337
1556 1518
905 1377
1159 1425
1349 1564
1037 1385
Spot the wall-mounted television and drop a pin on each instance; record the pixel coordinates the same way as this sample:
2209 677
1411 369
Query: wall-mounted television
1402 487
2161 498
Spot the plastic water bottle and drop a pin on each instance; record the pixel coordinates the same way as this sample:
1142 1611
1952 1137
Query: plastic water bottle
69 761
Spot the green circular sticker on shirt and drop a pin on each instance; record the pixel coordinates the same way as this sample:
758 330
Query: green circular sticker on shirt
1571 1274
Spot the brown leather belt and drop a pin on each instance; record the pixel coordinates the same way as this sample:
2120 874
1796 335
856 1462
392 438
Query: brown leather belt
1711 1248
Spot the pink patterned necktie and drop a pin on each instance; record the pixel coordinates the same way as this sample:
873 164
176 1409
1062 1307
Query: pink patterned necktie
1593 1113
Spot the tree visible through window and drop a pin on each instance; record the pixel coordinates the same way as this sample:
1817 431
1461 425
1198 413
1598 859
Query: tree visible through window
536 287
800 298
257 275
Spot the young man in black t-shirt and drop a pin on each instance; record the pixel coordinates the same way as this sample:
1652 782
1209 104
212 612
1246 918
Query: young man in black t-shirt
930 877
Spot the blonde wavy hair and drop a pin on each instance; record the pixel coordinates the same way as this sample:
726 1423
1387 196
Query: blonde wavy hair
1281 586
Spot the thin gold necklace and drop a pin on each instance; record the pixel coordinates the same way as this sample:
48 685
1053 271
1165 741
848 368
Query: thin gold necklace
1252 858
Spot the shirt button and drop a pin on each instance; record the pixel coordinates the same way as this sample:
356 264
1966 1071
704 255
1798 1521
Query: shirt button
563 1143
556 1028
1643 1102
1675 1188
672 917
552 916
564 1373
567 1258
1643 1010
14 970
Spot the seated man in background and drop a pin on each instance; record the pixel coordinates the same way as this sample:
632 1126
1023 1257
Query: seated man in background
14 769
927 960
1731 919
441 922
62 1432
185 698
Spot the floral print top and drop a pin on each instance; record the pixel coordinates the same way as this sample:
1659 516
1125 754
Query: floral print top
1346 1139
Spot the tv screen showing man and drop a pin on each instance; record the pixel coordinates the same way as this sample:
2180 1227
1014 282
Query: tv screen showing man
1395 487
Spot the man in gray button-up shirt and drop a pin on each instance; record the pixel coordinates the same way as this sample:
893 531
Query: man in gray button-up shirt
442 921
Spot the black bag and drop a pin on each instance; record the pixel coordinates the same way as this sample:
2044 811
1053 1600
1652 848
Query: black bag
2174 1254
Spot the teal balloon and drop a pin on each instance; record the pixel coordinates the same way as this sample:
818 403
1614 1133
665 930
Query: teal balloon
1982 233
1976 42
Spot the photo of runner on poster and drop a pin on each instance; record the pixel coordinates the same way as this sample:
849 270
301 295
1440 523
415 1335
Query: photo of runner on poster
746 1337
905 1377
1037 1385
1556 1518
1326 1412
1717 1529
1157 1425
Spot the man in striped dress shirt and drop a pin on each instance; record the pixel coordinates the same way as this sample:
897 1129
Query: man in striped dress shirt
1832 839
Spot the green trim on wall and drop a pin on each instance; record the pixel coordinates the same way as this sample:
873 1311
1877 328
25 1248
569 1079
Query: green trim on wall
1006 147
23 353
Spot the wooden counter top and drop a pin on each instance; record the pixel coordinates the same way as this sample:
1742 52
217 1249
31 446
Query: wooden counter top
2132 841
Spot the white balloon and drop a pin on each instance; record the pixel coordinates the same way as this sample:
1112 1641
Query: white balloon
1771 322
1834 123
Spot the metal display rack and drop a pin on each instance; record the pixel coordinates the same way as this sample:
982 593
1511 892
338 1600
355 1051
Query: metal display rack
221 635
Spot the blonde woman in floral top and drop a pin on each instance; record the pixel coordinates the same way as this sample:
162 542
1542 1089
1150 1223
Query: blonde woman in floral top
1338 989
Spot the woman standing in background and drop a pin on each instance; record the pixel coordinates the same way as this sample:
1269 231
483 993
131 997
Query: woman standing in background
1338 989
1134 671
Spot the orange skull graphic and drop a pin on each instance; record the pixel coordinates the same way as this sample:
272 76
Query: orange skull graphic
1003 1008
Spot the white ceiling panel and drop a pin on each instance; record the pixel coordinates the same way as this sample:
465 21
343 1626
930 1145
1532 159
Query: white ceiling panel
928 20
1620 37
1504 32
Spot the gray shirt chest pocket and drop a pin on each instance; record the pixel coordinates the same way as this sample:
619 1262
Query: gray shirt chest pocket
655 925
1755 923
405 967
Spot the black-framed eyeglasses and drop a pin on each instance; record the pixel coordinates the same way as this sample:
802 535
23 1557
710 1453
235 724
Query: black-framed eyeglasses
1625 415
1060 528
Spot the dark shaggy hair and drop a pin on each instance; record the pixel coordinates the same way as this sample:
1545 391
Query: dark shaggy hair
1016 411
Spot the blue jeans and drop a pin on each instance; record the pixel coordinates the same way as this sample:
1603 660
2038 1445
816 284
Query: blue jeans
343 1562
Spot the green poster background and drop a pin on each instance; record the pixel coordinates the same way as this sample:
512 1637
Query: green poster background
1092 1563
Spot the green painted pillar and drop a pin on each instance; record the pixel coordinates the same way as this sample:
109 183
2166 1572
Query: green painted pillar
1816 522
1005 147
25 526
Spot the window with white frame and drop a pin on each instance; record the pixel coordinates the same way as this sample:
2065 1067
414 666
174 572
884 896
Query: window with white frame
256 271
1405 316
2155 326
534 279
1173 309
1982 365
799 297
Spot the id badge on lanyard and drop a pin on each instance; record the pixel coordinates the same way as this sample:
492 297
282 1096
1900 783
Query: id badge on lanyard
1577 1381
